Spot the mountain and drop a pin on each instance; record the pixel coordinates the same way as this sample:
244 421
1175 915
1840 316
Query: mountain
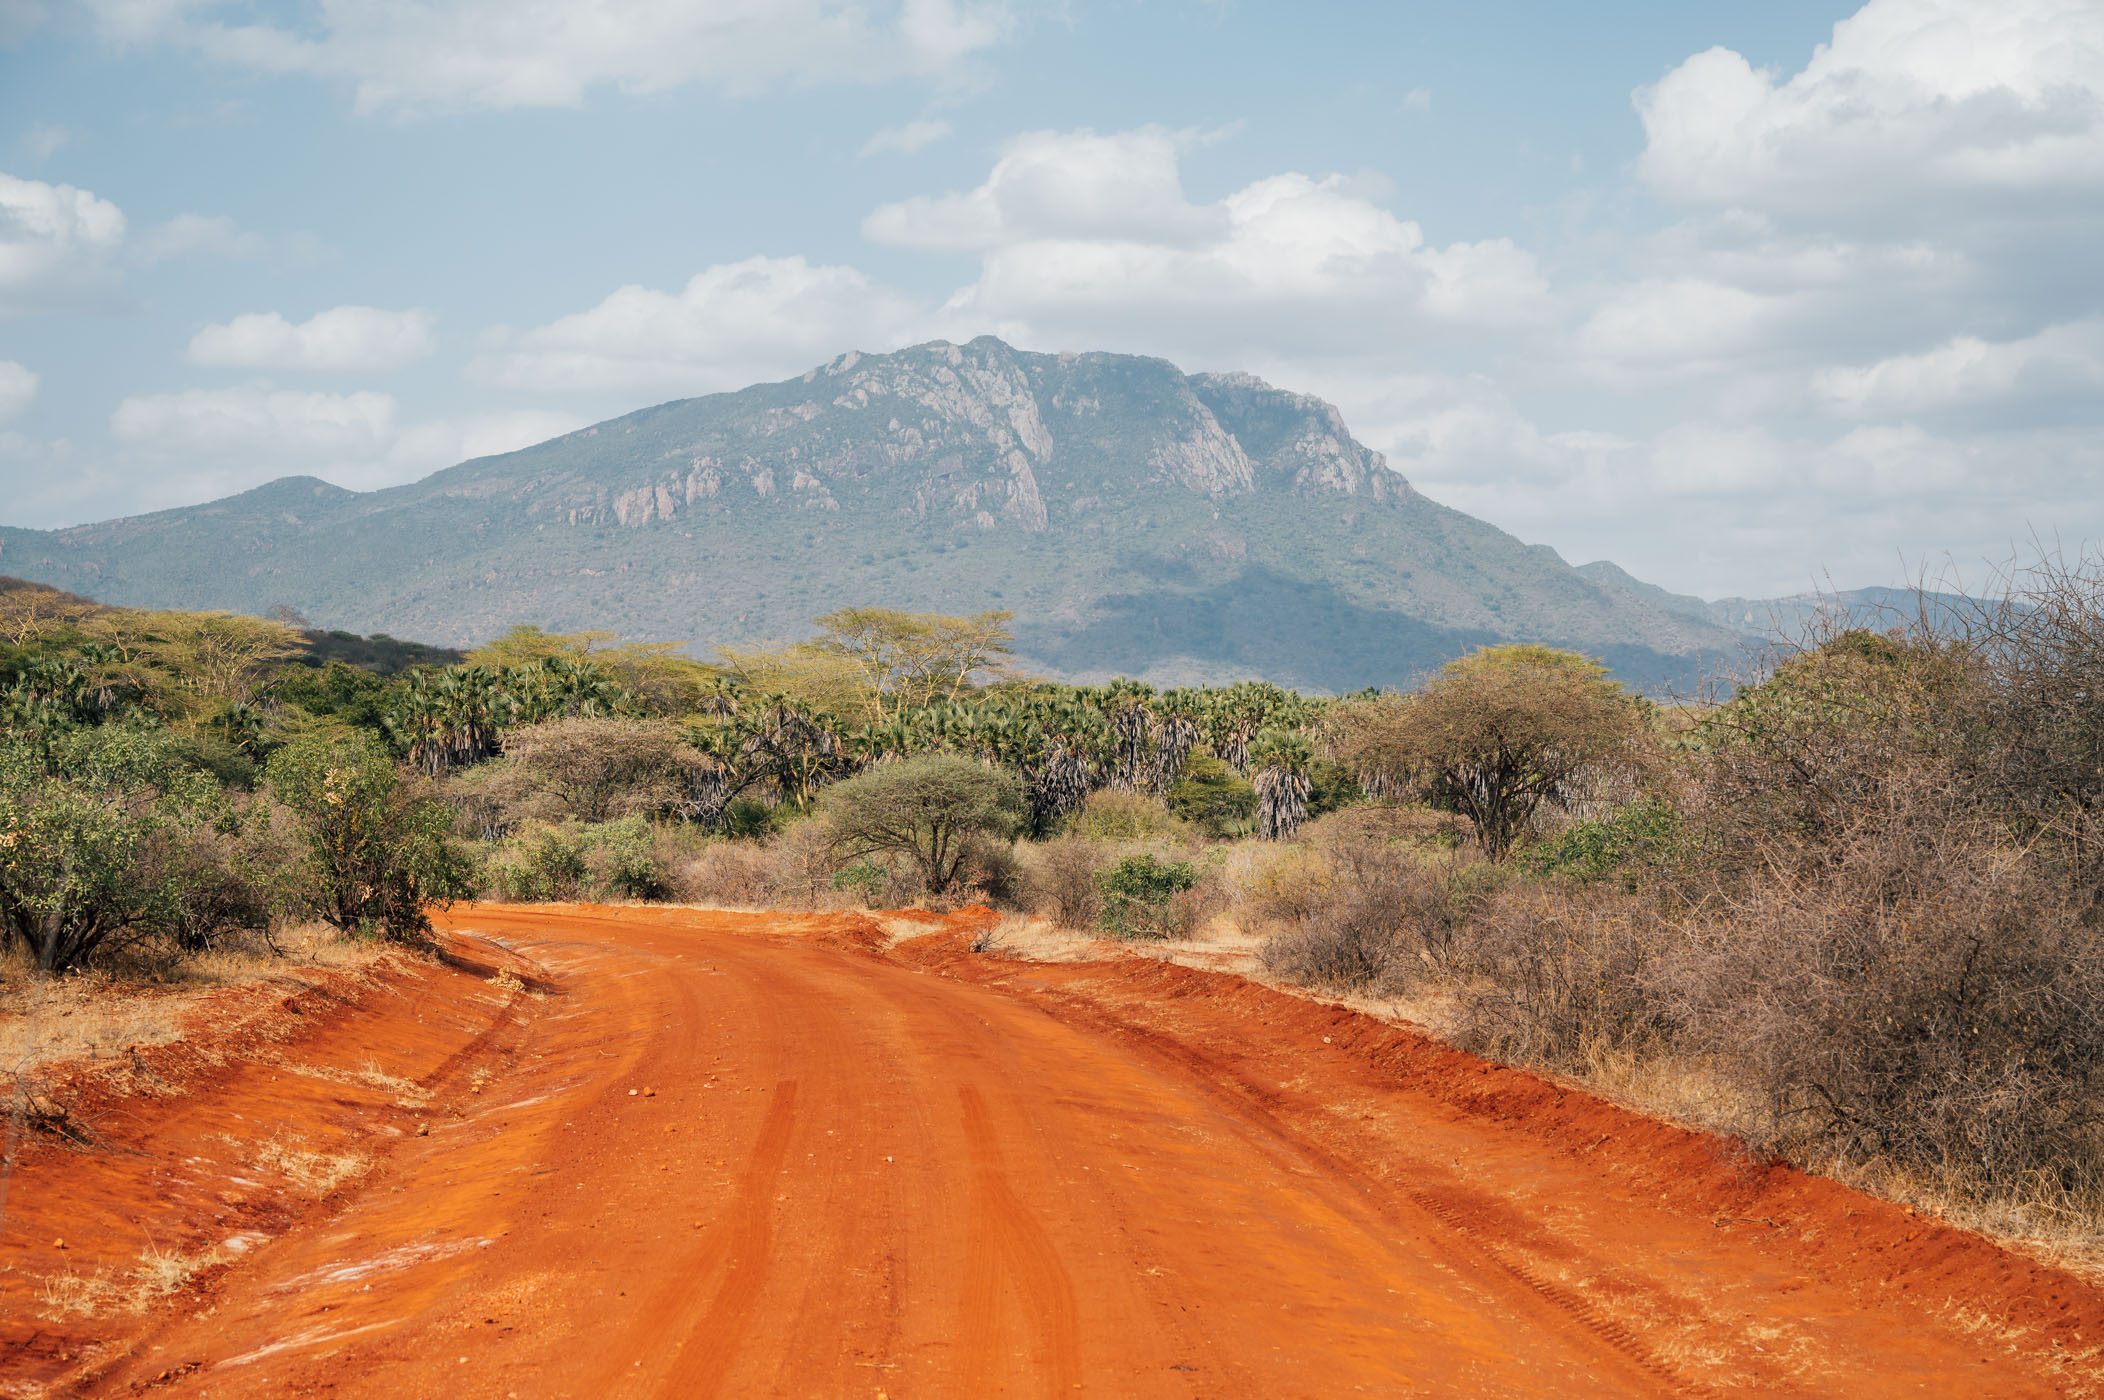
1136 519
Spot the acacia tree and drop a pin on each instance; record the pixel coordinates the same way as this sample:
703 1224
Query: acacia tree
903 660
1499 734
599 769
933 811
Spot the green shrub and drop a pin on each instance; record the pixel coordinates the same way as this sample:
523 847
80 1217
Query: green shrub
1645 833
538 864
93 829
1214 798
376 854
621 861
935 812
748 819
864 879
543 863
1139 896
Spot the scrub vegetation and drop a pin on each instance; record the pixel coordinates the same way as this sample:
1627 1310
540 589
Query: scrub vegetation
1854 913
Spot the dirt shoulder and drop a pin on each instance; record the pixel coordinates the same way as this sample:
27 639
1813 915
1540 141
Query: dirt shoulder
208 1122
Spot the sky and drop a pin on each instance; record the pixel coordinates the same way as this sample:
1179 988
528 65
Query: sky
1747 298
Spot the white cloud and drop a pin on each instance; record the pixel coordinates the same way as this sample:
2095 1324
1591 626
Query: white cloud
906 139
18 389
258 419
410 55
1675 325
1089 239
203 443
731 325
55 242
1050 185
1965 373
1709 507
1975 110
351 339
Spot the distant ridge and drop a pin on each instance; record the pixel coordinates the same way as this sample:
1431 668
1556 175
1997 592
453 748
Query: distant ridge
1136 519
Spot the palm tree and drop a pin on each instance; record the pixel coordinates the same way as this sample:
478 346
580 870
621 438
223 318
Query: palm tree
1282 759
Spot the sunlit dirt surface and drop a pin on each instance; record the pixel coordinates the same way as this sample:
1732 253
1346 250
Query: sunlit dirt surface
676 1152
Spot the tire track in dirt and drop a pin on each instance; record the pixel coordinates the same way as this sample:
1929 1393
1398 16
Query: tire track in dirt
1470 1242
1007 1244
706 1360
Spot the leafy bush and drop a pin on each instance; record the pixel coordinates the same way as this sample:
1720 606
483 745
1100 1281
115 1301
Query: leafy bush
595 769
622 861
1139 896
96 829
1505 732
1211 796
1631 839
749 819
539 864
589 861
376 854
865 880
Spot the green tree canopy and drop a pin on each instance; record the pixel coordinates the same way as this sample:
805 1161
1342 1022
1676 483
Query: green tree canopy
1501 733
932 811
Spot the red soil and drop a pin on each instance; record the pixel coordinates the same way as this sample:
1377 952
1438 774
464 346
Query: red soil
756 1154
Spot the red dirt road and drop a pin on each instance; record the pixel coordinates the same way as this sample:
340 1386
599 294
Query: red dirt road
758 1155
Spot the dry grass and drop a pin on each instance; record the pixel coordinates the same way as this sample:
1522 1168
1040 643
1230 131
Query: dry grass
1029 938
101 1015
2038 1218
158 1274
406 1093
317 1173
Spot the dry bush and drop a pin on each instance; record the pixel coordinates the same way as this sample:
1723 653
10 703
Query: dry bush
793 868
316 1173
1188 912
805 862
158 1274
1289 886
993 875
1350 908
1403 823
1554 974
143 997
1111 814
1059 879
738 874
1922 993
